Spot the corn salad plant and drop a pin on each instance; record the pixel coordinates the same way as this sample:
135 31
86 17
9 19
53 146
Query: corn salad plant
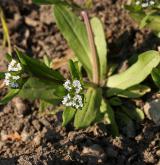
101 96
146 13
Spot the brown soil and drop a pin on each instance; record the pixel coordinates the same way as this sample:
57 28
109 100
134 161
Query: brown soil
29 137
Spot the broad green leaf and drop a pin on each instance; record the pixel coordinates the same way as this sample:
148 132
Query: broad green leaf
100 42
137 72
156 76
38 68
115 101
125 123
2 75
68 115
46 90
133 112
74 32
74 70
109 117
87 115
152 21
132 92
9 96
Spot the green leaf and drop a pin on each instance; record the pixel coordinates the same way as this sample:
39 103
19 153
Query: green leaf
151 21
46 90
132 92
12 93
109 117
43 105
136 73
68 115
38 68
75 33
133 112
8 57
47 61
100 42
74 70
144 21
156 76
115 101
87 115
2 75
88 3
125 123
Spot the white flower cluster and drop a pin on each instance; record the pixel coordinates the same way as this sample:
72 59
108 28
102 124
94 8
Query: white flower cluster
10 79
145 3
76 100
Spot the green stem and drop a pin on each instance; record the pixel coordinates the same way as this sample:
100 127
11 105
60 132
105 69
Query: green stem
6 37
93 58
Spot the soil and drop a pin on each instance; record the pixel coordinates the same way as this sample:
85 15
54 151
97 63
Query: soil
30 137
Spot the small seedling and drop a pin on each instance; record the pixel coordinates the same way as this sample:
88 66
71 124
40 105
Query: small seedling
96 97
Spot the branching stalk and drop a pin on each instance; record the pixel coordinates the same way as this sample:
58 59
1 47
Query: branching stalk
93 56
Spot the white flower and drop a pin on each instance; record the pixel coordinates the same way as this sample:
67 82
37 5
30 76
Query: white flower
7 75
15 77
13 62
7 82
144 5
138 2
72 100
77 86
152 2
10 79
14 66
66 99
77 101
67 85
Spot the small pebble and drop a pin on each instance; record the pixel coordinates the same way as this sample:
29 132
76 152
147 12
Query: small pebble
20 106
36 125
25 136
158 153
37 139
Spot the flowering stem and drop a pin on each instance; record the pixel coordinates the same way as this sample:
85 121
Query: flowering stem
92 47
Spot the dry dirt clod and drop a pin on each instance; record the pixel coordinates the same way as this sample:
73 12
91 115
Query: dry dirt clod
37 139
20 106
45 122
36 124
158 153
25 136
94 150
3 135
